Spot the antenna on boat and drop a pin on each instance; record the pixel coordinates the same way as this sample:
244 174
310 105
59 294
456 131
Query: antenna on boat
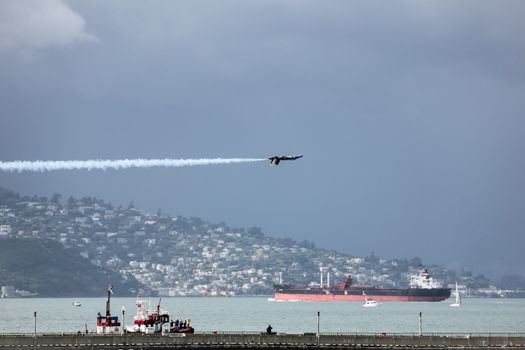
321 269
328 279
280 277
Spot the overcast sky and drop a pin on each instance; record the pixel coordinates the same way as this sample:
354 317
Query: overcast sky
410 116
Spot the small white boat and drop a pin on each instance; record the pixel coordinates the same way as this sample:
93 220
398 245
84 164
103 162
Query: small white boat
458 298
370 303
76 303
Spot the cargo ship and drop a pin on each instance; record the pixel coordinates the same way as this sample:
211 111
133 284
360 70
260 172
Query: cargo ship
422 287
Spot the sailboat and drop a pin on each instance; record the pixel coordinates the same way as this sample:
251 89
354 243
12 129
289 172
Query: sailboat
458 297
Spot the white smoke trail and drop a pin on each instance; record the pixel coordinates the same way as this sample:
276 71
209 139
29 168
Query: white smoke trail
99 164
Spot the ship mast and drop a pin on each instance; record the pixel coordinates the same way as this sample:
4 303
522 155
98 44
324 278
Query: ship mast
108 313
322 269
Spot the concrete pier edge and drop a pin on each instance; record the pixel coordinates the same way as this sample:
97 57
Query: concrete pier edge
218 340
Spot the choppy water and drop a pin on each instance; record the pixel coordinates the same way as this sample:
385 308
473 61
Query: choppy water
254 314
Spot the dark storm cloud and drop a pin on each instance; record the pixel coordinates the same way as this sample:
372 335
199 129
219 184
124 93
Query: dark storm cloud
409 113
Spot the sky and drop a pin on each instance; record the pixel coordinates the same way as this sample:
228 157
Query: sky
409 114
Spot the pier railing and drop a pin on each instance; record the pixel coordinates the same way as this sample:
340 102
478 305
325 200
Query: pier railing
219 332
225 339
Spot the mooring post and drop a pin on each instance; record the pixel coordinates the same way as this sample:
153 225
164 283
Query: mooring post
420 324
34 332
318 326
123 313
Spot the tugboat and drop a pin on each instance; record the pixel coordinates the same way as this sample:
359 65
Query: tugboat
108 324
156 321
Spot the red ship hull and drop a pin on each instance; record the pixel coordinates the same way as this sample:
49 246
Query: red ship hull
358 298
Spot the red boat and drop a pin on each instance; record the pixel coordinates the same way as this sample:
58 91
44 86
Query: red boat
108 324
156 321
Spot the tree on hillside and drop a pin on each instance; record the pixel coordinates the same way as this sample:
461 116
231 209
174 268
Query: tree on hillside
480 281
373 259
515 282
7 195
255 231
56 198
416 262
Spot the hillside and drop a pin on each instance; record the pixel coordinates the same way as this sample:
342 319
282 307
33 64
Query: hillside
190 256
45 267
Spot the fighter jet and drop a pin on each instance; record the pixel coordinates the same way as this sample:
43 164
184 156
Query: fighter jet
276 159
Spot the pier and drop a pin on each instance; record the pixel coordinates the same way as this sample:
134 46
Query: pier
243 340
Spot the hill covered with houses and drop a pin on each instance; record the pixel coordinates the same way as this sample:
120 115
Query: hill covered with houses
175 256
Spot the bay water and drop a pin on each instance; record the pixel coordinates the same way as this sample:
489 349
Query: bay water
245 314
